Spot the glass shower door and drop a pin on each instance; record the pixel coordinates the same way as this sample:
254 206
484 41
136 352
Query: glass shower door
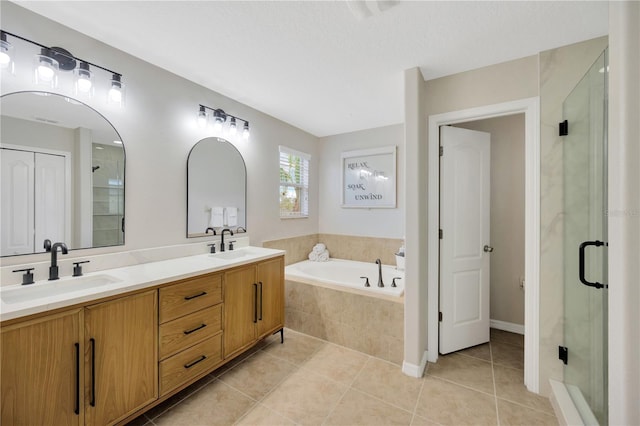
585 250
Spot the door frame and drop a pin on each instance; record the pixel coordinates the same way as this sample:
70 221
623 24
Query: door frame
531 109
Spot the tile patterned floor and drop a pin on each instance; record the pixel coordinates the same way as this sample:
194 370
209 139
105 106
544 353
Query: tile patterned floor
310 381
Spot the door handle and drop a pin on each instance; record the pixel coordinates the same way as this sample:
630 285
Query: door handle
260 318
77 407
583 246
488 249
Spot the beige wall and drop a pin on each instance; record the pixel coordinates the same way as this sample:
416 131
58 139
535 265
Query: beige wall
507 214
560 70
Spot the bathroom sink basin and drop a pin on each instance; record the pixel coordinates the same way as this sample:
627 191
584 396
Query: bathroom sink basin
236 254
41 289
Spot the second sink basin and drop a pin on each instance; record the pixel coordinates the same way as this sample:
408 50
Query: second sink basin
40 289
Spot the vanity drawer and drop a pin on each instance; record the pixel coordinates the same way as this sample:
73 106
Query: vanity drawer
189 363
185 331
189 296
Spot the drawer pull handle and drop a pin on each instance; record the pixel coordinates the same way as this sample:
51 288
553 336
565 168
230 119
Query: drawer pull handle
195 329
195 295
192 363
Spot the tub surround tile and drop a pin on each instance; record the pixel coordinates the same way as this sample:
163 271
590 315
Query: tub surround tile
363 249
367 324
450 404
297 248
464 370
357 408
515 414
386 382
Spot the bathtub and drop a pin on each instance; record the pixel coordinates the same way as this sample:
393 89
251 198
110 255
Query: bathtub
347 273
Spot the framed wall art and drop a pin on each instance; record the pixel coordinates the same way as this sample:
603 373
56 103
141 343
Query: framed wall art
369 178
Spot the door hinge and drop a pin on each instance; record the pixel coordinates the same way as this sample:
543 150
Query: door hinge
441 151
440 233
440 316
563 354
563 128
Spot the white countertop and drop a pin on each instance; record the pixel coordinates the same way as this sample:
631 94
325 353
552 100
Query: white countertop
120 281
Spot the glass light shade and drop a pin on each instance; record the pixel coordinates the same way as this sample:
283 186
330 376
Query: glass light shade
245 131
83 80
46 71
116 91
233 128
202 118
6 56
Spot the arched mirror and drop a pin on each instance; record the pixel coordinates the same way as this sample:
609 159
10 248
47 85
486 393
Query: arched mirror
62 166
216 188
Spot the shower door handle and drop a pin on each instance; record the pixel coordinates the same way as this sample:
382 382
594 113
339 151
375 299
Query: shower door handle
583 246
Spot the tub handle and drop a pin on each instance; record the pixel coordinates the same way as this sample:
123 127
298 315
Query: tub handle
366 282
393 281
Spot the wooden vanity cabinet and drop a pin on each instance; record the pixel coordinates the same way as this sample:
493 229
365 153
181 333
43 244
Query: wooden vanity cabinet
40 367
254 304
57 372
121 370
190 341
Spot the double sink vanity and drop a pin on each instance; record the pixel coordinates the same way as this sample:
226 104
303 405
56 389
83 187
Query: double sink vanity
105 347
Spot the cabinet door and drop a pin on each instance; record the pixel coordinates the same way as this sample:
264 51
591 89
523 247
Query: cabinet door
271 296
121 361
40 371
240 310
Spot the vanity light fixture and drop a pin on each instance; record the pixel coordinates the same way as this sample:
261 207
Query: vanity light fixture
53 60
220 119
6 53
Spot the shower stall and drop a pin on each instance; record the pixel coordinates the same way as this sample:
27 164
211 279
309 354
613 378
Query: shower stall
584 141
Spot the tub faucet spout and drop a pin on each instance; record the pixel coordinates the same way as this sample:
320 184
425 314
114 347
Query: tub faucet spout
379 263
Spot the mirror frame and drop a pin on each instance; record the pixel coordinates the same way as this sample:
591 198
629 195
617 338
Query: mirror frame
218 140
124 166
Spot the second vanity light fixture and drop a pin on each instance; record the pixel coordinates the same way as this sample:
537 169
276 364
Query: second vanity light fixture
220 119
51 60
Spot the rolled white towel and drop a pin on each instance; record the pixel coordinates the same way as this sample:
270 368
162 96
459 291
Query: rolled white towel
313 256
319 248
324 256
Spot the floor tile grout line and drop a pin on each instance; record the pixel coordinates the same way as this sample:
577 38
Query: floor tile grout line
180 401
495 392
415 407
461 385
549 413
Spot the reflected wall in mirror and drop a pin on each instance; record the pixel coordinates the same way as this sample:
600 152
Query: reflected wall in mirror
216 187
62 166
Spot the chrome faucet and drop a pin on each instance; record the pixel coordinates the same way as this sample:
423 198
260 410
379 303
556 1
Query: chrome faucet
210 229
222 238
380 283
53 269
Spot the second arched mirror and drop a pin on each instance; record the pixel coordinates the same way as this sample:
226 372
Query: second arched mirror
216 187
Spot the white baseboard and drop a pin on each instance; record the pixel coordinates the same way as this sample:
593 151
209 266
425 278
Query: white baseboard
507 326
414 370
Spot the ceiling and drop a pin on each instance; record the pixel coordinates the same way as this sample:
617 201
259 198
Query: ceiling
327 67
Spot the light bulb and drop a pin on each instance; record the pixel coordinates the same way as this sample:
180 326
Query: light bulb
219 117
245 130
116 95
83 79
6 52
232 126
46 69
202 117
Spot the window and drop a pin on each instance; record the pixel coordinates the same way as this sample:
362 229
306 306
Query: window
294 183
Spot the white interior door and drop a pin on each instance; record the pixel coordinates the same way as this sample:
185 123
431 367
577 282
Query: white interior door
50 198
17 202
464 263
